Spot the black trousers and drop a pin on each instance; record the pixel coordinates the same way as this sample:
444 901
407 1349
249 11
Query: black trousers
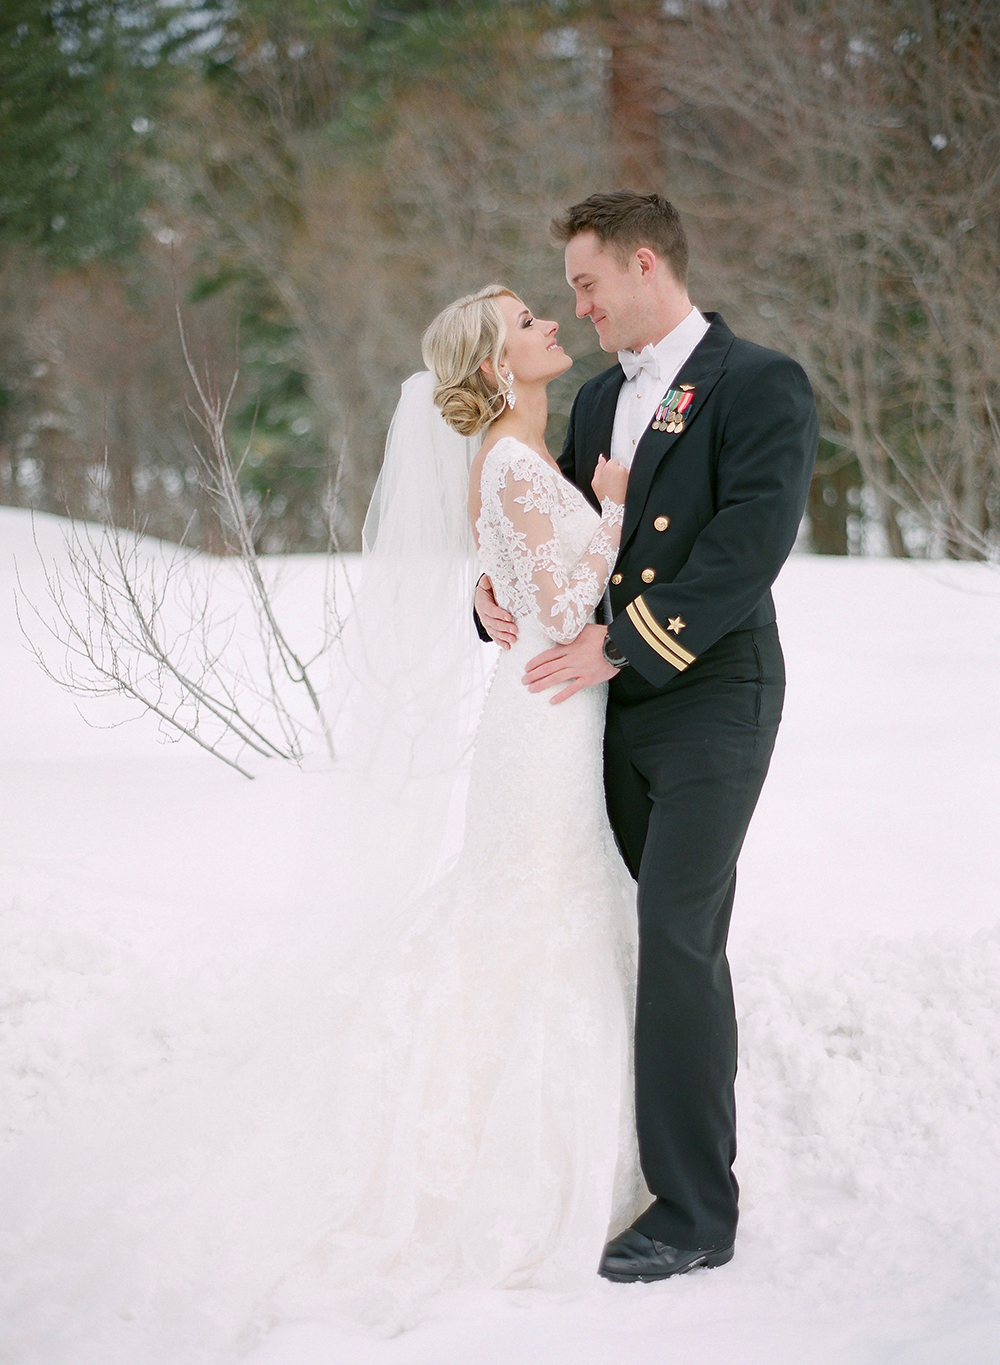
683 770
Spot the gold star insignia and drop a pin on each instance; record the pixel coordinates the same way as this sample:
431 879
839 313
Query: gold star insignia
676 624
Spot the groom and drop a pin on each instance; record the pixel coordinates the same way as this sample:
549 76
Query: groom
720 437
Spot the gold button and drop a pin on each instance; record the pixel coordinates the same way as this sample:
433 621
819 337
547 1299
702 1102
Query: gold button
661 523
616 578
648 575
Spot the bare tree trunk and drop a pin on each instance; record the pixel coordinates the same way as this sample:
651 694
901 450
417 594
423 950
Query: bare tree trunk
634 93
833 499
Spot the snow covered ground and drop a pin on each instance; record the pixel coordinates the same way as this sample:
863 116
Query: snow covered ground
149 938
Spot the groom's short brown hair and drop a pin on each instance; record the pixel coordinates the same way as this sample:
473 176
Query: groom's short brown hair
623 221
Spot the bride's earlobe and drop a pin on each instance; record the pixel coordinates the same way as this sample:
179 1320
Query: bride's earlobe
503 379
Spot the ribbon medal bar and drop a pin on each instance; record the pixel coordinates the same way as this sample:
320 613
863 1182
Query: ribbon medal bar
673 405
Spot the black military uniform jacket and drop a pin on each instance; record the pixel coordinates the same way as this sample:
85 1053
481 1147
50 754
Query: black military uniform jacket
711 511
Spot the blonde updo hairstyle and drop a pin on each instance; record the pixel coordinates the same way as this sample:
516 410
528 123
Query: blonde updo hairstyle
460 338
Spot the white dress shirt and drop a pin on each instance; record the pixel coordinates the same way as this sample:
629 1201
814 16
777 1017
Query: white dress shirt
640 396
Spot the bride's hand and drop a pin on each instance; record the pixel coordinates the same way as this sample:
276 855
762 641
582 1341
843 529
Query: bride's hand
610 479
498 623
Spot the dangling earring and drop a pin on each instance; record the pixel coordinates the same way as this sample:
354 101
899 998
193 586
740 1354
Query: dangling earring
511 400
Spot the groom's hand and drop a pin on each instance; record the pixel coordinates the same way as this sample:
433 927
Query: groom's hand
581 664
498 624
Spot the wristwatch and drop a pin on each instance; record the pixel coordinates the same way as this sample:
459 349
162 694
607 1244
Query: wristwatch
613 654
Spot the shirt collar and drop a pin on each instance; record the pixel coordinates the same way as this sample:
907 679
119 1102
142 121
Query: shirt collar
664 359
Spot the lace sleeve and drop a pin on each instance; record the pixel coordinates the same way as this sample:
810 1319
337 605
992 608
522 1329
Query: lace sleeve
561 597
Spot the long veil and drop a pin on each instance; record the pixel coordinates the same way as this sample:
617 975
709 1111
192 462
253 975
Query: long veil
410 676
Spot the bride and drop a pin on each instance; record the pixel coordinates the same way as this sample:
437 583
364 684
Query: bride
449 1105
484 1101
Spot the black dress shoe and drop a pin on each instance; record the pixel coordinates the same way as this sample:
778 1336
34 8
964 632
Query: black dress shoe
634 1256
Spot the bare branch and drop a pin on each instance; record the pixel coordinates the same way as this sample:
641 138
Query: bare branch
131 621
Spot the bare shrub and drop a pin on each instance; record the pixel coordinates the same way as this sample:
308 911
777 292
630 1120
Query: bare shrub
153 624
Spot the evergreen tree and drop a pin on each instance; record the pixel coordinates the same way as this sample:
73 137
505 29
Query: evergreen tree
81 85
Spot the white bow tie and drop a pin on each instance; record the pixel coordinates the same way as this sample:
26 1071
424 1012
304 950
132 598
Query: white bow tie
634 364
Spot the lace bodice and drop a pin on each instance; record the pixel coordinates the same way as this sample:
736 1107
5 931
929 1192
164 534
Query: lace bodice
545 549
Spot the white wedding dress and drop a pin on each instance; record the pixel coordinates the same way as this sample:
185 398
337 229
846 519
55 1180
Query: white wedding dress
448 1108
485 1102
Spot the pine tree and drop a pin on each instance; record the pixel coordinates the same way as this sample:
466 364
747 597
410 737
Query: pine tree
81 85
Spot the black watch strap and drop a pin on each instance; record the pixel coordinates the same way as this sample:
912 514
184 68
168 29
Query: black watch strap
613 654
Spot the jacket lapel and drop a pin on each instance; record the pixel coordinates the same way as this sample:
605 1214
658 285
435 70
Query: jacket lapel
599 429
702 370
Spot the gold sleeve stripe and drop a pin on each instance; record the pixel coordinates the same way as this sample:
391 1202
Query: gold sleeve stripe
668 641
652 641
656 637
